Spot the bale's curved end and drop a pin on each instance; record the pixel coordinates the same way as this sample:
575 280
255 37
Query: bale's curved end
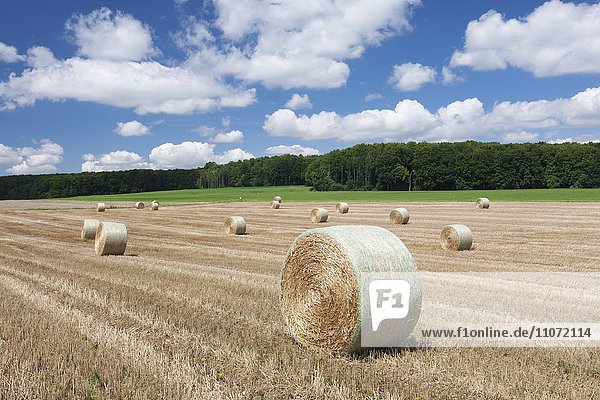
321 283
235 225
139 205
318 215
111 239
456 237
399 216
342 208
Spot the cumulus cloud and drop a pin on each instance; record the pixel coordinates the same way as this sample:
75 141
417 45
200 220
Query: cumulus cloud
459 120
147 87
409 77
373 96
105 35
229 137
131 128
40 56
119 160
577 139
523 136
113 70
298 44
192 155
30 160
9 54
295 149
556 38
449 76
297 102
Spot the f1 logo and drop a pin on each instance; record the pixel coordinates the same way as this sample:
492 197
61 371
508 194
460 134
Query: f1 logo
389 299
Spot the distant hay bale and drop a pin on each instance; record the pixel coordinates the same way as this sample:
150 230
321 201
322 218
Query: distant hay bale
101 207
139 205
277 198
318 215
90 226
456 237
111 239
155 201
399 216
275 204
154 206
482 202
342 208
321 284
235 225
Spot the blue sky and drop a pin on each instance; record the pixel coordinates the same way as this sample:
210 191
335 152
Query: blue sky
93 86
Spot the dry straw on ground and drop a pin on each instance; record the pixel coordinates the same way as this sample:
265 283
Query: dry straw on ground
482 202
318 215
275 204
456 237
101 207
235 225
139 205
342 208
111 239
277 198
320 283
90 226
399 216
154 206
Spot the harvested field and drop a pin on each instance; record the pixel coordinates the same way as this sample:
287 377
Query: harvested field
196 314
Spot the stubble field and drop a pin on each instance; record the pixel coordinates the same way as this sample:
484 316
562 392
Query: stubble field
192 312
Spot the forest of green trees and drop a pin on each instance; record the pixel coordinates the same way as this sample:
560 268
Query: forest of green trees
385 166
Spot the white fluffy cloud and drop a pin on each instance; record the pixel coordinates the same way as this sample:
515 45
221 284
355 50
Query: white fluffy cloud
298 44
297 102
556 38
410 76
459 120
105 35
40 56
9 54
192 155
147 87
30 160
294 149
229 137
373 96
523 136
119 160
131 128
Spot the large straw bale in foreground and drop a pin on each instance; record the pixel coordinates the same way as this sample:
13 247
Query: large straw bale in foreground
482 202
342 208
235 225
456 237
111 239
320 283
90 226
318 215
100 207
399 216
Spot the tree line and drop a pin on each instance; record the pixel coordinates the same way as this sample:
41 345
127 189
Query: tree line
384 166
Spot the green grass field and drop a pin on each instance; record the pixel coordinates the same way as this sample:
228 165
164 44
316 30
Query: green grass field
303 194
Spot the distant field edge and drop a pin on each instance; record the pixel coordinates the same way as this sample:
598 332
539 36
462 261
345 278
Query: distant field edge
303 194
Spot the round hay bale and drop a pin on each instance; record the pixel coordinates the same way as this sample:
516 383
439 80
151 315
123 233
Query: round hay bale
111 239
235 225
318 215
456 237
275 204
320 283
277 198
155 201
399 216
482 202
342 208
154 206
90 226
139 205
101 207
